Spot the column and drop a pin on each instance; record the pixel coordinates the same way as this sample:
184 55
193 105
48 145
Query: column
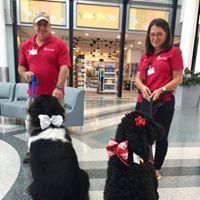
3 49
197 65
189 17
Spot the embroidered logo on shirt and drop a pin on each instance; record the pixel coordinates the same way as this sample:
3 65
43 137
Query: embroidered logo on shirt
161 58
48 49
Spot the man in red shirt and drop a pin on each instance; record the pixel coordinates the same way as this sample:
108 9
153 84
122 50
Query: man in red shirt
46 57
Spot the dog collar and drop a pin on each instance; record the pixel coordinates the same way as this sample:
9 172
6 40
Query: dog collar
53 134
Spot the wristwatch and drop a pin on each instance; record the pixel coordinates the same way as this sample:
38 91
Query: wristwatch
164 89
59 87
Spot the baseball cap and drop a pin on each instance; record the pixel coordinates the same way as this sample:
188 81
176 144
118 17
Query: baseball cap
41 16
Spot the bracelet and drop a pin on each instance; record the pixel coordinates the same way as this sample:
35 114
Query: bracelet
164 89
59 87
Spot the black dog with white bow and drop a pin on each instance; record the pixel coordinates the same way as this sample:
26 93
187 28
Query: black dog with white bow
129 175
54 164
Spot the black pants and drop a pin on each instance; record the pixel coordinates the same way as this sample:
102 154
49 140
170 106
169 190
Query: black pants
162 115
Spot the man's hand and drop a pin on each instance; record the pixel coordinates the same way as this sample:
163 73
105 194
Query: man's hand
27 75
57 93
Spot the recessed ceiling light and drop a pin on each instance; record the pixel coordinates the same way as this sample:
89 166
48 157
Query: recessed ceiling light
86 34
139 42
52 32
131 45
118 36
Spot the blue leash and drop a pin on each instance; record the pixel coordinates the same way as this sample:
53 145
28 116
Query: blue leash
32 85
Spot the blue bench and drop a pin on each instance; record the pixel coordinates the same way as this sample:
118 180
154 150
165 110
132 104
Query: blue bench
17 107
74 100
6 92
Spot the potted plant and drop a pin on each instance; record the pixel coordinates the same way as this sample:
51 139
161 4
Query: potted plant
188 93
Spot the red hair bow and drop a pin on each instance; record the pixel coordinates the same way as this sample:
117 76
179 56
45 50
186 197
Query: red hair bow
140 121
121 149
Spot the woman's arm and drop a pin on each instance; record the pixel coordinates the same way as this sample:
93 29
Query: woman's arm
143 88
176 80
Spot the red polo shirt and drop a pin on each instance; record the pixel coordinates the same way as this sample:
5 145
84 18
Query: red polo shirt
44 61
161 66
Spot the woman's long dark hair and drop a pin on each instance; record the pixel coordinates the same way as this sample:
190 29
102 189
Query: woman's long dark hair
168 42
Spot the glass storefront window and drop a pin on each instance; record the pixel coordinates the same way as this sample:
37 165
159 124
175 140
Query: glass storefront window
55 9
139 18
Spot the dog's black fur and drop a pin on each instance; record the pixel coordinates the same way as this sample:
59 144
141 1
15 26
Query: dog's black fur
54 164
133 182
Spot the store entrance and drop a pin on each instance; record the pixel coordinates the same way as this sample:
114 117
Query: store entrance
96 62
96 59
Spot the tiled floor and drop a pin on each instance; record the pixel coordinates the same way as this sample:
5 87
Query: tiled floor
180 173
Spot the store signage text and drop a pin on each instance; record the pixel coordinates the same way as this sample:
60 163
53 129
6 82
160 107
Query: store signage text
96 16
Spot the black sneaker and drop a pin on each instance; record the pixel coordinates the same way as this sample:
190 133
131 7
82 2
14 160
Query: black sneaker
27 158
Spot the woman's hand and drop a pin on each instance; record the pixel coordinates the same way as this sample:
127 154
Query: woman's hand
146 93
156 94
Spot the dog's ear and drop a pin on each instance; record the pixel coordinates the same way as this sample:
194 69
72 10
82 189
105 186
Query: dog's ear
122 129
155 131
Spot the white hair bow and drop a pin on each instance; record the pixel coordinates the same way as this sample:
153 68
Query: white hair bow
45 121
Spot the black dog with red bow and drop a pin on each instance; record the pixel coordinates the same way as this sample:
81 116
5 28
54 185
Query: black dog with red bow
54 165
129 175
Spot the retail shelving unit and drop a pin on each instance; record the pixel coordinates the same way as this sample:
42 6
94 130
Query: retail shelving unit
80 71
91 83
107 78
91 75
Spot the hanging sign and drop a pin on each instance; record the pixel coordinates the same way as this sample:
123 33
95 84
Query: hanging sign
97 16
139 18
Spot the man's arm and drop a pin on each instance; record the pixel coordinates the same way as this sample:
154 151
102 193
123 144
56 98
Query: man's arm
62 76
24 73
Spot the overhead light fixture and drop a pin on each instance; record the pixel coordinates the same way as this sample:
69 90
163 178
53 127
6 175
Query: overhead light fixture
118 36
139 42
52 32
131 45
86 34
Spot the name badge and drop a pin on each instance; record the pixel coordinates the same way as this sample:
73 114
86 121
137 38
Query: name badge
150 71
33 52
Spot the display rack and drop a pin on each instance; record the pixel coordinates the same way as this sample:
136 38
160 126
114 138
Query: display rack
91 75
80 71
91 83
107 78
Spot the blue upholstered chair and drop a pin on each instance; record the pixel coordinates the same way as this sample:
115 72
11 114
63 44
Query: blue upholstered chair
74 100
6 92
17 107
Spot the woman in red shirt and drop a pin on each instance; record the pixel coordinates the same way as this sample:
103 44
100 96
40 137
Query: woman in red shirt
160 71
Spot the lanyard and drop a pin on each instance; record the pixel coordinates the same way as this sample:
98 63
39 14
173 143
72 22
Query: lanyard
32 85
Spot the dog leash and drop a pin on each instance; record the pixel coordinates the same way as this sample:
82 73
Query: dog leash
151 115
32 85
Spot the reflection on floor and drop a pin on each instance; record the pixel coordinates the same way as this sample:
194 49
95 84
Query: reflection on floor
180 173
